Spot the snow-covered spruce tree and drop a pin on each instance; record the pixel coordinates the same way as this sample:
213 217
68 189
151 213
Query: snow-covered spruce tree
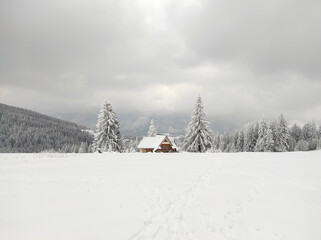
282 135
310 134
249 139
107 135
309 131
216 142
274 128
292 144
240 142
225 140
260 144
234 142
269 142
198 136
296 133
132 146
152 129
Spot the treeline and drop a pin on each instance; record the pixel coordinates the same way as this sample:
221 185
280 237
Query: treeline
273 136
26 131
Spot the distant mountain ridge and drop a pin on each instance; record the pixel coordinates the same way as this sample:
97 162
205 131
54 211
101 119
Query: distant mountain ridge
22 130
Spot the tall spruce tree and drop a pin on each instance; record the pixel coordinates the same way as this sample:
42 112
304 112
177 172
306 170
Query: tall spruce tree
107 135
240 142
260 144
274 129
249 139
152 129
282 135
198 136
269 142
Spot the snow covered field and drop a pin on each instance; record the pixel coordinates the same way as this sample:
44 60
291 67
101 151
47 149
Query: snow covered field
243 196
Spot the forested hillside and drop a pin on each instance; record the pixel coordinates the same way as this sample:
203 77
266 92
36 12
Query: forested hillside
22 130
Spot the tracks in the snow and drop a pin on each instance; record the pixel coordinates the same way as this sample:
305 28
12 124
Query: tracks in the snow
175 219
183 218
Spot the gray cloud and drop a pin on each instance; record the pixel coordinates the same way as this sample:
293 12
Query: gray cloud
247 59
268 36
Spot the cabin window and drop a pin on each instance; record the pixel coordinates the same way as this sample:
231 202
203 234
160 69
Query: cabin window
164 147
165 140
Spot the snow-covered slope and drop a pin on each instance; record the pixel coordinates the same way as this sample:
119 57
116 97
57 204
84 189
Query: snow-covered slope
244 196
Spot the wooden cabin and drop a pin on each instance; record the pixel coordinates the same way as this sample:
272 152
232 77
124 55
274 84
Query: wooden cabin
159 143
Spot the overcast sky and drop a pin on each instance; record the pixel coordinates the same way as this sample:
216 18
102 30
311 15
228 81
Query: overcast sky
247 59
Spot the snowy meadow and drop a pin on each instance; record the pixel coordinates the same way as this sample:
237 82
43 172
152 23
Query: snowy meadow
244 196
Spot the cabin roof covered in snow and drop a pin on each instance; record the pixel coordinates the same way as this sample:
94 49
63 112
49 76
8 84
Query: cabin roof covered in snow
154 142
